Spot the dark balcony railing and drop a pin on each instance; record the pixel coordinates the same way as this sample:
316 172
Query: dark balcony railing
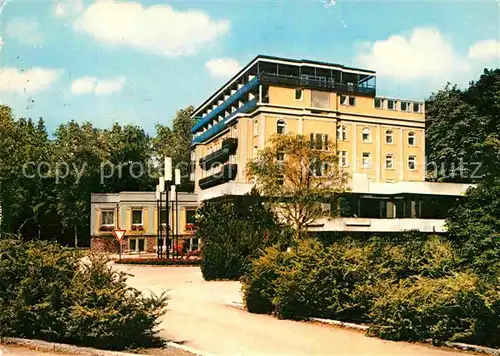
314 82
227 174
229 146
231 100
214 130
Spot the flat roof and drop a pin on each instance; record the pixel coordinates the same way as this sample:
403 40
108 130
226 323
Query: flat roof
284 60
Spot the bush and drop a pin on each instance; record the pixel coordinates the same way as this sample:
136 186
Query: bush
160 262
47 293
454 308
340 281
233 230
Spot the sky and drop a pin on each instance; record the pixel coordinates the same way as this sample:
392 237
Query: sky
138 62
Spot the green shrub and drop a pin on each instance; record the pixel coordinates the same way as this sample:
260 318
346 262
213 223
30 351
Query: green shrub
454 308
233 230
47 293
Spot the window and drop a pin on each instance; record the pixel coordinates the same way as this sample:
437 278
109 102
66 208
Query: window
196 244
367 160
319 141
379 103
416 107
389 161
193 156
281 127
299 93
347 100
280 156
391 104
108 218
411 138
137 217
280 179
255 127
137 245
318 169
343 162
209 151
190 214
405 106
341 133
412 163
366 135
389 137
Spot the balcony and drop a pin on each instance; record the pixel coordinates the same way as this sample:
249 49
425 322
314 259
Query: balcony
217 128
227 174
221 156
313 82
231 100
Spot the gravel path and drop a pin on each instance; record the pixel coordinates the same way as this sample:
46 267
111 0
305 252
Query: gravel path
199 317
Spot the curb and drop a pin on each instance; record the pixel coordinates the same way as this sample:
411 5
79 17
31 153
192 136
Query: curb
454 345
87 351
341 324
188 349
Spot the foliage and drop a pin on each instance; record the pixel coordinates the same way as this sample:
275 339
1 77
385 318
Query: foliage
176 143
160 262
458 307
78 160
47 293
407 288
463 125
299 175
233 230
475 227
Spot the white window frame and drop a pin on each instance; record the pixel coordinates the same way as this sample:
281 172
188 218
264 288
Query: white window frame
281 123
412 159
132 217
369 162
412 136
343 158
408 104
389 133
341 133
363 133
382 102
395 106
389 158
419 107
112 211
137 244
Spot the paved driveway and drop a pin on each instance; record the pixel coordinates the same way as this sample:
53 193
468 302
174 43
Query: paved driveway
199 317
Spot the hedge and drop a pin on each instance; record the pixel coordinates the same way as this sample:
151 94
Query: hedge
48 293
407 289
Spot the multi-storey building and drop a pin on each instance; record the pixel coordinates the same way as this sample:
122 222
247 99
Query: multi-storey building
380 140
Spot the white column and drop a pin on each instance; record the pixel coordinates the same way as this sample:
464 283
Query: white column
402 158
354 139
378 153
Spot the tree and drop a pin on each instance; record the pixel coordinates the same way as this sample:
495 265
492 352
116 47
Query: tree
298 176
461 127
233 230
176 143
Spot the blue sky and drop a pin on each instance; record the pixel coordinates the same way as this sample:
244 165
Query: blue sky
140 61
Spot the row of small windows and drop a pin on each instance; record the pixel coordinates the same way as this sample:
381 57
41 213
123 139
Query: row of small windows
392 104
366 135
366 160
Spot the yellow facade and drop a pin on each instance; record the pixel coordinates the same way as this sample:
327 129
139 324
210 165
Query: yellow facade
389 157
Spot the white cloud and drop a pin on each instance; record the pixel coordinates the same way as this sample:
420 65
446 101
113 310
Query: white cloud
425 53
156 29
87 85
66 8
485 50
25 31
29 81
223 67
